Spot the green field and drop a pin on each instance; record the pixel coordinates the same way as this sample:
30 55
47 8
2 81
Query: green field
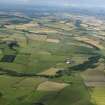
30 46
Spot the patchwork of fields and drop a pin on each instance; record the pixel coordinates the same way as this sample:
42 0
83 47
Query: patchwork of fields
51 60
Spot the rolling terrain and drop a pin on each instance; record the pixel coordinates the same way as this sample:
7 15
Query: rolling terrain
54 59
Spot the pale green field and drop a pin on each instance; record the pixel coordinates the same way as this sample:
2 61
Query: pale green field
98 95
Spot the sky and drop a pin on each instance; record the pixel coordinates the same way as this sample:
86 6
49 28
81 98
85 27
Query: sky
65 3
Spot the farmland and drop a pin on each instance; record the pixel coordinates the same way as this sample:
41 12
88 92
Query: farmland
51 60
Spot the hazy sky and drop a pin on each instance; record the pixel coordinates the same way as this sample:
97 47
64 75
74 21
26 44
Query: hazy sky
91 3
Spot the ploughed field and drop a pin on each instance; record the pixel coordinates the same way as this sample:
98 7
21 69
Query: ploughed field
51 60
